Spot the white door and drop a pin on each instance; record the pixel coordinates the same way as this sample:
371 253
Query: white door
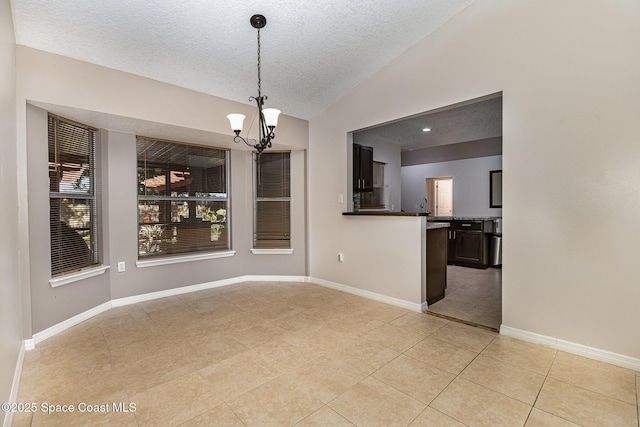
444 197
431 195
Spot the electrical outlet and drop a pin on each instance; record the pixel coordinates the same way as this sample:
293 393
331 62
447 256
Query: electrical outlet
340 257
340 198
121 266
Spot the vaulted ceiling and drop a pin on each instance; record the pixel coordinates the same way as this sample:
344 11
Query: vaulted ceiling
313 52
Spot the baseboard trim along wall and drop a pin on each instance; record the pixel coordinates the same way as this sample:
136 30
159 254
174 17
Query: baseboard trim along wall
15 385
579 349
119 302
570 347
367 294
66 324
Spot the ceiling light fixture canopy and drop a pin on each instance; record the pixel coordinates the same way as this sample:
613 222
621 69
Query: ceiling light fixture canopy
267 117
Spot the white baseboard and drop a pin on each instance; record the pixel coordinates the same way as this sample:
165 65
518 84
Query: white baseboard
202 286
15 385
29 344
579 349
367 294
570 347
304 279
176 291
66 324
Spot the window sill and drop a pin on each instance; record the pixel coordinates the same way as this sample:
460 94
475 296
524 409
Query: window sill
79 275
185 258
272 251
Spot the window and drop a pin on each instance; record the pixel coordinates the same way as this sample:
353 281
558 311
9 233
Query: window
182 198
73 217
272 203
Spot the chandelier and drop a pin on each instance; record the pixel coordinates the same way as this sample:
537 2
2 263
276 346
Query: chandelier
267 117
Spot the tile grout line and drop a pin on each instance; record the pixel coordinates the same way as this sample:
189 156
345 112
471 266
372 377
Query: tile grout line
462 321
450 382
547 377
394 388
455 376
533 405
461 371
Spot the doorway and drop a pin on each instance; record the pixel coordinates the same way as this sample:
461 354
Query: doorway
473 296
440 196
463 141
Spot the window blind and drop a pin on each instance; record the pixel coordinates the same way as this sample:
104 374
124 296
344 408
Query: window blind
272 202
73 215
182 198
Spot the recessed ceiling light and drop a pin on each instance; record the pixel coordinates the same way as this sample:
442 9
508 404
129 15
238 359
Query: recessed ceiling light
426 130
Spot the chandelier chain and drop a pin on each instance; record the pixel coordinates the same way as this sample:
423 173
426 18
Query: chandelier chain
259 79
265 128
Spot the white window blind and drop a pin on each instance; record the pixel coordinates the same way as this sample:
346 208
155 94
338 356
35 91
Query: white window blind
72 196
272 200
182 198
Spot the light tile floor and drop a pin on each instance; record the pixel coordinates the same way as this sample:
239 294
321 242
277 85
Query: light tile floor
284 354
473 295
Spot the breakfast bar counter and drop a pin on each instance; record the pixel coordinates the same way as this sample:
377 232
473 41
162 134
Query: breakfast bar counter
384 213
430 224
434 252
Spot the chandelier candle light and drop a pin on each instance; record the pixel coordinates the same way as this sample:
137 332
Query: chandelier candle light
268 117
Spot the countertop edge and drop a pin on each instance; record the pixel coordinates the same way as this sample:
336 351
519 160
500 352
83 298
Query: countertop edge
435 225
462 218
380 213
420 214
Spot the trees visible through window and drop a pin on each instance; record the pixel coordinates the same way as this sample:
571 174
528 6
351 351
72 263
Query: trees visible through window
182 198
72 196
272 200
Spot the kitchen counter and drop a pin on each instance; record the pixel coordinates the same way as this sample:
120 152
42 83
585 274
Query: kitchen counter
431 225
429 218
434 247
461 218
434 225
384 213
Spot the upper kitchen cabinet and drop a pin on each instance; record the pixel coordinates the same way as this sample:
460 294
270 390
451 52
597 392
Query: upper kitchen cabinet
362 168
375 170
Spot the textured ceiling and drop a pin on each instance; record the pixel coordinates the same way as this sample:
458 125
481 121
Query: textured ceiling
313 52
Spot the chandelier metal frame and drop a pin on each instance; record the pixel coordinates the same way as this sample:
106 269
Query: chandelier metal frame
267 117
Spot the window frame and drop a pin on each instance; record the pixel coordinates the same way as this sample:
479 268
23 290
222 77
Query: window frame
90 197
264 250
193 253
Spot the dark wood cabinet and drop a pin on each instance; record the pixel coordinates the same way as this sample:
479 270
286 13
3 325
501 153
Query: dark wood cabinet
362 168
469 243
469 247
436 264
451 246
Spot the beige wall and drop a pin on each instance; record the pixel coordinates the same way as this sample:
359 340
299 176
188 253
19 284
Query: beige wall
49 78
568 71
50 306
115 99
10 317
569 75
